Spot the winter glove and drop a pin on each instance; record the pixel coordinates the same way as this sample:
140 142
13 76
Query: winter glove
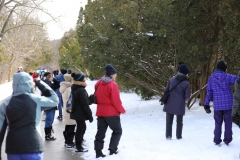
55 85
238 113
43 89
207 109
233 118
91 119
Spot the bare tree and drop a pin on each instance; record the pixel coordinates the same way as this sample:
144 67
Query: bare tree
26 46
10 9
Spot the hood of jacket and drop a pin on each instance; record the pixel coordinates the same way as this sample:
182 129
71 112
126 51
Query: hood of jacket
106 79
181 76
22 83
74 86
64 86
219 76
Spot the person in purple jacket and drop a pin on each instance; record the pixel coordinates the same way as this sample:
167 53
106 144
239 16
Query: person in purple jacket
219 91
176 102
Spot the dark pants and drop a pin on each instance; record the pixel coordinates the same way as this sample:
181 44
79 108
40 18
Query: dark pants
169 123
69 133
115 125
81 128
219 117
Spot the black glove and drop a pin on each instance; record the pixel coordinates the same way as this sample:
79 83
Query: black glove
91 119
43 89
238 113
233 118
207 109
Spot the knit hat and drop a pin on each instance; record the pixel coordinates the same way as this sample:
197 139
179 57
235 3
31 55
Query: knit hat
183 69
222 65
46 74
78 77
110 70
63 71
67 77
69 71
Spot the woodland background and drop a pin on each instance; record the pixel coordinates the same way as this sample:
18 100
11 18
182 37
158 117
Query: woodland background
145 40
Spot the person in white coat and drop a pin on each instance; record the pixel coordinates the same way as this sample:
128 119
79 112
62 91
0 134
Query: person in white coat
70 124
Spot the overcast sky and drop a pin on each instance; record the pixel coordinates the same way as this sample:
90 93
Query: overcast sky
67 10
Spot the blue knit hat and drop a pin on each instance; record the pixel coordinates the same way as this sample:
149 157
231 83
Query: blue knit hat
110 70
183 69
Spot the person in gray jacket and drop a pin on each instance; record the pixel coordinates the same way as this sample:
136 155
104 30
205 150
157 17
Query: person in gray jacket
21 113
236 103
176 102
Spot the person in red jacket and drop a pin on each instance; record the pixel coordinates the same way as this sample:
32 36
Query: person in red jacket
35 76
109 108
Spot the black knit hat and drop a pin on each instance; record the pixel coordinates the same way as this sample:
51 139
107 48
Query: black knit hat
183 69
78 77
222 65
63 71
110 70
46 74
69 71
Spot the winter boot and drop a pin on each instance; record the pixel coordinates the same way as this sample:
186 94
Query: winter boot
59 118
99 154
69 139
79 148
65 137
168 138
113 152
48 134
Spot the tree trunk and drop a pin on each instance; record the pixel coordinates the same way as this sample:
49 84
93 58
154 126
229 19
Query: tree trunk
202 83
9 73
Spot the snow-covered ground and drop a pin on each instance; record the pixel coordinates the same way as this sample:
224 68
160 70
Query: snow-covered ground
143 135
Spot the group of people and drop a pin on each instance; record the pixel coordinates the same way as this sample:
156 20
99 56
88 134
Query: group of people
56 89
226 107
109 109
24 126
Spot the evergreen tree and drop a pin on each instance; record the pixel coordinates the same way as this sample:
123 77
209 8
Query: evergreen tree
69 52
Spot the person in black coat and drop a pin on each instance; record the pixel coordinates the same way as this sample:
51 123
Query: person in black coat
81 110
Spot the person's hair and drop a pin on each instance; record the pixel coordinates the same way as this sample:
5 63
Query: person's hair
49 75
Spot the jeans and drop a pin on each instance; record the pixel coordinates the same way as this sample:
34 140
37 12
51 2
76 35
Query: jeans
60 104
49 117
29 156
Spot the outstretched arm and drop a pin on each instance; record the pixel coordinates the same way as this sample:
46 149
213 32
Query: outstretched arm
3 121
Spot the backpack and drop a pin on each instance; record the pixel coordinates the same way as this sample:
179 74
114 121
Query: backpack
69 105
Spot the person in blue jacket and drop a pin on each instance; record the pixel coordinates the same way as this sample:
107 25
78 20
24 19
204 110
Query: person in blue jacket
220 93
21 113
60 79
